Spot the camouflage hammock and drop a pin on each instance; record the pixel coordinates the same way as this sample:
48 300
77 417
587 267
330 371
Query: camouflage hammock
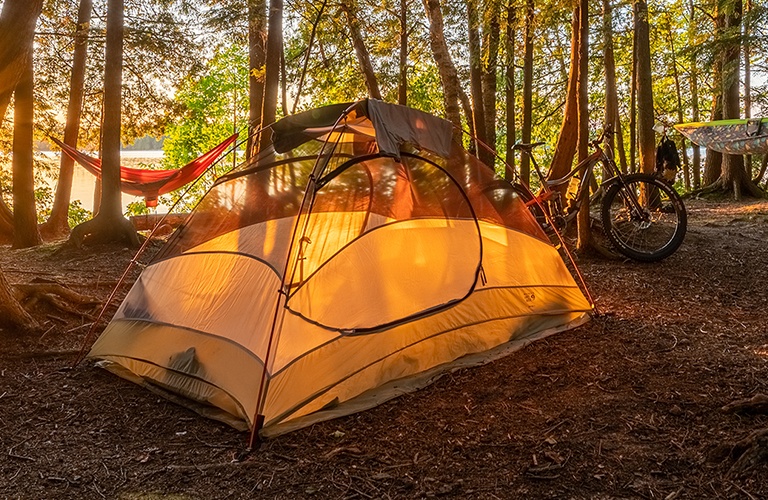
736 137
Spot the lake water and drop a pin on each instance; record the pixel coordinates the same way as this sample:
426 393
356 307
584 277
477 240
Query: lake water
84 183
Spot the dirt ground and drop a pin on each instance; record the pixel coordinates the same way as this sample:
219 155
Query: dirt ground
627 406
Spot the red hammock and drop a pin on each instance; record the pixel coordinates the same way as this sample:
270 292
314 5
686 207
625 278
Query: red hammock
151 183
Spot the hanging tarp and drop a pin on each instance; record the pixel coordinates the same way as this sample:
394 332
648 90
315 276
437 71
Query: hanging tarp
735 137
151 183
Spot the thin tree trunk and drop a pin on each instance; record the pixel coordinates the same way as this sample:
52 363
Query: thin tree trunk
584 242
748 75
569 129
109 224
25 233
526 129
679 95
402 81
272 69
57 223
734 176
694 77
509 157
476 79
633 107
645 117
611 95
714 159
490 60
257 41
363 58
445 66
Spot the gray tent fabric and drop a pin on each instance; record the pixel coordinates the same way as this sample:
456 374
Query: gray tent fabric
396 125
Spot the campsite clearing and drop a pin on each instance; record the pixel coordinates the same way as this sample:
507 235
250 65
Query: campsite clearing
628 405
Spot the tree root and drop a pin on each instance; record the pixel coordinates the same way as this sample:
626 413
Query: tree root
55 295
104 229
749 452
758 404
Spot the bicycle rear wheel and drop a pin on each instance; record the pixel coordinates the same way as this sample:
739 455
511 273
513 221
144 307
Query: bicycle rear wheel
644 218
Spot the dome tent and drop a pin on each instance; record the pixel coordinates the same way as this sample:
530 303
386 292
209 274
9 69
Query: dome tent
360 257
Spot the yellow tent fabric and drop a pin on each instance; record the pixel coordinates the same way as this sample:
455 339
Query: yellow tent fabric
326 276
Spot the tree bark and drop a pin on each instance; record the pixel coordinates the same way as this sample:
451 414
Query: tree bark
527 111
489 63
109 224
569 129
272 69
694 78
257 41
476 80
713 161
584 241
25 233
17 30
448 76
57 224
646 138
509 172
402 80
611 116
679 96
361 51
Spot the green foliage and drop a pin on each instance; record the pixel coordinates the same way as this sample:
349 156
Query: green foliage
211 105
76 214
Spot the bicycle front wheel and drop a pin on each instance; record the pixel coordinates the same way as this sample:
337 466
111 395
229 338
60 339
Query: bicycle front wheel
644 218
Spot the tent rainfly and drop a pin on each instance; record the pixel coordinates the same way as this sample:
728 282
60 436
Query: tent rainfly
360 257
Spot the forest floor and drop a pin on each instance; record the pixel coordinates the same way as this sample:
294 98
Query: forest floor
629 405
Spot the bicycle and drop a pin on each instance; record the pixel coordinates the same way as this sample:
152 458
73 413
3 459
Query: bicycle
643 217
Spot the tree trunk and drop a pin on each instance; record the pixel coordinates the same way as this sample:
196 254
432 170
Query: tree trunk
272 69
25 233
569 129
611 116
645 117
734 176
363 57
402 81
476 80
679 95
584 242
713 161
257 34
525 161
17 30
448 76
57 224
694 77
490 61
509 172
748 75
633 108
109 224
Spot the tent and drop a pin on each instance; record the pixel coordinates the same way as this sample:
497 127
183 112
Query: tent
151 183
359 258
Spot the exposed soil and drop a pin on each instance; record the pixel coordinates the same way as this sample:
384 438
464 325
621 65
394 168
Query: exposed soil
627 406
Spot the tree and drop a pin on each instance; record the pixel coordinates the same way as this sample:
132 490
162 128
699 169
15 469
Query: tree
25 233
476 80
17 25
272 69
57 224
510 91
448 76
525 169
646 138
349 7
109 224
584 242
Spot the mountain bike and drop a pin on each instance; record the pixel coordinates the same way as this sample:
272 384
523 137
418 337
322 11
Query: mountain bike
642 215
